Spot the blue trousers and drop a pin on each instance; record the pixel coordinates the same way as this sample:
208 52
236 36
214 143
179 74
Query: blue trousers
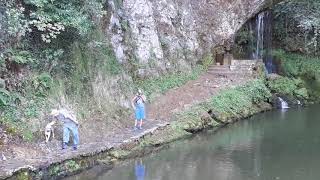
73 128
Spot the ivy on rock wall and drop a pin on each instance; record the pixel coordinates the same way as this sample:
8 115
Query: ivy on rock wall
297 25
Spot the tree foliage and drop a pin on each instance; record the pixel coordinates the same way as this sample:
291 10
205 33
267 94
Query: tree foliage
51 17
296 18
44 20
36 33
34 38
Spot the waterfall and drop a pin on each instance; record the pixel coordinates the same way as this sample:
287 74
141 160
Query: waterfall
252 54
284 104
260 35
264 40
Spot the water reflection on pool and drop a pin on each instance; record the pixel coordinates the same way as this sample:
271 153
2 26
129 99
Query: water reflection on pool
273 145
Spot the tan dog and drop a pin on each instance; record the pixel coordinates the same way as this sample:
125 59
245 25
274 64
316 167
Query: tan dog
49 131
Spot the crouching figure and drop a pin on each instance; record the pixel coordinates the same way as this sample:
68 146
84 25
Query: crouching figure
70 125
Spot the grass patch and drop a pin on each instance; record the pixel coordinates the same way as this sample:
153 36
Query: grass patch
231 102
237 100
302 67
298 65
162 84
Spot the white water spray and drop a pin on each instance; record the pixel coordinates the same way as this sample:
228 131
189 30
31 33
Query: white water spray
260 35
284 104
299 102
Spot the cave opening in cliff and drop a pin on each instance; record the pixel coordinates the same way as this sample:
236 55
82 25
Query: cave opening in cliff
254 40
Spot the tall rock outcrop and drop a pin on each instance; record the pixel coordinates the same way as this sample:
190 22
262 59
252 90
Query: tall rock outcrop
171 35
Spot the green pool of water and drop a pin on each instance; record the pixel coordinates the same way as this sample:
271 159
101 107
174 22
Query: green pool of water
274 145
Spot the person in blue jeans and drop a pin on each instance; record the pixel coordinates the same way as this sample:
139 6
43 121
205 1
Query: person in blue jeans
70 125
138 104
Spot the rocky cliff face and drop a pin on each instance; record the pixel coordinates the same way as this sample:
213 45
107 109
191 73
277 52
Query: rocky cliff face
171 35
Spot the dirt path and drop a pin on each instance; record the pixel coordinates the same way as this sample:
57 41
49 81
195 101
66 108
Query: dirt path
158 115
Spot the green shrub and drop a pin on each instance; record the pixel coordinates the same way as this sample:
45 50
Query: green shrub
21 114
42 84
20 56
302 93
282 85
4 97
207 61
288 86
14 126
256 90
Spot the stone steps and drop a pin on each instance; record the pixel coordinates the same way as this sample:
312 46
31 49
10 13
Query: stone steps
241 68
228 70
219 68
246 62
